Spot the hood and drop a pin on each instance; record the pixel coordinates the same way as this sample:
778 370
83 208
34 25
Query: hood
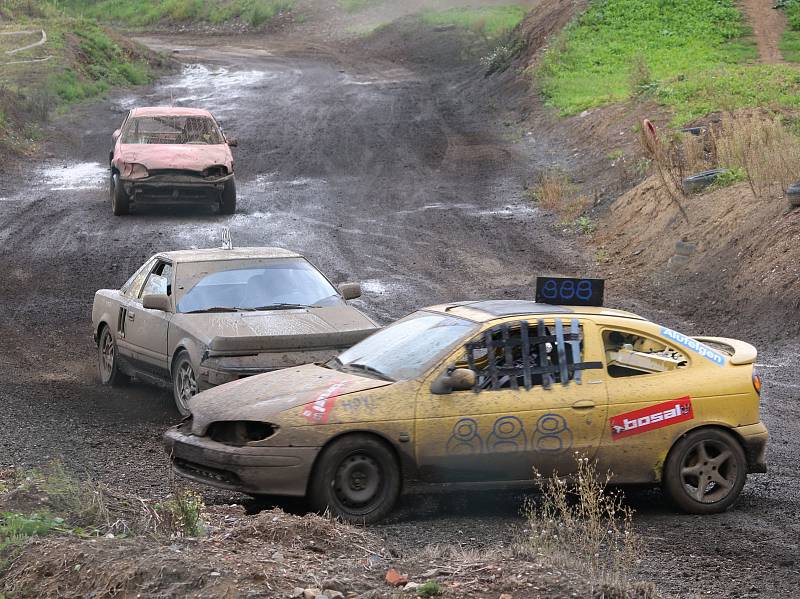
252 328
176 156
263 397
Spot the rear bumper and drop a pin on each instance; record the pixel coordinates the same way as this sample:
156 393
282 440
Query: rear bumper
253 470
754 439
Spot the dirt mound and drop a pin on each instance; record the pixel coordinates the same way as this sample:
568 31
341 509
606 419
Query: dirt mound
546 20
744 269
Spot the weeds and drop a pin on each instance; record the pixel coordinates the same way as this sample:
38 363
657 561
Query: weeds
555 192
578 525
584 224
503 54
430 588
15 528
184 512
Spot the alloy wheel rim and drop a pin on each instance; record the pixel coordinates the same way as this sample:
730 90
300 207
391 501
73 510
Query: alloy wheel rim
358 482
709 471
186 384
107 356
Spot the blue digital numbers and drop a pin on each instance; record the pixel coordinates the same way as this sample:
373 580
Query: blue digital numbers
569 292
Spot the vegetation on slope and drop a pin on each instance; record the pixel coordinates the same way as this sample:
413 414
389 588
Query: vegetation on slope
141 13
692 55
491 21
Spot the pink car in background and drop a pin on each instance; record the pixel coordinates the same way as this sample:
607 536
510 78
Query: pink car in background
166 155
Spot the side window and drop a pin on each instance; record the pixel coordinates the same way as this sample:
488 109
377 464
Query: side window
159 281
133 286
524 355
633 354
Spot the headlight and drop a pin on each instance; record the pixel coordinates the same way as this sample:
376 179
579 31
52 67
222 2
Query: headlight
134 171
241 432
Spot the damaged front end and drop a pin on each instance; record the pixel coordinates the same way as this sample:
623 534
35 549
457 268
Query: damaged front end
228 359
177 184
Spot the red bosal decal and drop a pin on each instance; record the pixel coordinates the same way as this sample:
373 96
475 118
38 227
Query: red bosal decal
651 418
319 410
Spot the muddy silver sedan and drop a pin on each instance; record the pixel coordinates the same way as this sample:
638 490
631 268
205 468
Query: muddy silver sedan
199 318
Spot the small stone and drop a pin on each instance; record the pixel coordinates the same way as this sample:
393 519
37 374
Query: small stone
215 574
277 556
311 593
332 594
395 579
297 592
410 587
505 596
430 573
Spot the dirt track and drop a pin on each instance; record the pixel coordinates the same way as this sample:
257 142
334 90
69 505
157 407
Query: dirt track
393 174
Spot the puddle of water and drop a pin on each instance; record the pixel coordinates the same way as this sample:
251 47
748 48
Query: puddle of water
199 83
71 177
510 211
379 287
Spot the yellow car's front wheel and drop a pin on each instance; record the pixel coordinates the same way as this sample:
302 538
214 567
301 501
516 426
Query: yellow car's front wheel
705 471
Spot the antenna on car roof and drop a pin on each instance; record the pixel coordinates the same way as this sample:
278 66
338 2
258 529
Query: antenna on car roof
227 242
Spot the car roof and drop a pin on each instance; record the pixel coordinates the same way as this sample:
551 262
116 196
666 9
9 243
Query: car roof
486 310
220 254
169 111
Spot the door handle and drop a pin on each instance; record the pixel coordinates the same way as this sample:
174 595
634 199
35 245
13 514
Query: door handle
583 404
131 316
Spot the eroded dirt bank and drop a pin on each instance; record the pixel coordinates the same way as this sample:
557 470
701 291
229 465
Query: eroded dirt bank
394 173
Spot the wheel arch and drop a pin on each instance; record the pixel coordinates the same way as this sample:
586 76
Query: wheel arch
403 463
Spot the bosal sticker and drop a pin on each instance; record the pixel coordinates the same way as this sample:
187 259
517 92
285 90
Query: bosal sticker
651 418
319 410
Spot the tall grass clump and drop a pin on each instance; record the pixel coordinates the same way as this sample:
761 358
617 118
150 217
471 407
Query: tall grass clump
577 524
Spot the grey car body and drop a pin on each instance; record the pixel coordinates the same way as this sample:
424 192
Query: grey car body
160 325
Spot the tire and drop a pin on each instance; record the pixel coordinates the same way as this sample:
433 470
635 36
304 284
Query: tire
793 195
120 202
107 363
227 204
702 180
710 456
184 382
371 472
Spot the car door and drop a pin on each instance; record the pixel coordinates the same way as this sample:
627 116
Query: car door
650 400
503 433
128 298
146 330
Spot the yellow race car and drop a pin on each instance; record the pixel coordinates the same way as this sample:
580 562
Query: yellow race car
478 394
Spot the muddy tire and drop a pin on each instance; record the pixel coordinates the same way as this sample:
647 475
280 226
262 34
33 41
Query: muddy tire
705 471
793 195
700 181
120 202
107 362
356 478
184 382
227 203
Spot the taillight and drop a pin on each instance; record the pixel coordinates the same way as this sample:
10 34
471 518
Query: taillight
757 383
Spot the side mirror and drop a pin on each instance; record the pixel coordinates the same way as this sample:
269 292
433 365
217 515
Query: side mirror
115 135
350 290
458 379
157 302
232 142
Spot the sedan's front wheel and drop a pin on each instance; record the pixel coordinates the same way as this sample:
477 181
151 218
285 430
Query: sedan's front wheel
184 382
356 478
705 471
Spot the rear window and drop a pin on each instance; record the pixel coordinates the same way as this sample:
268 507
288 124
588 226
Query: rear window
198 130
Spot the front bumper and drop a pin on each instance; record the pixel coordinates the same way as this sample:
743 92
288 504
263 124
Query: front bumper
175 188
253 470
754 439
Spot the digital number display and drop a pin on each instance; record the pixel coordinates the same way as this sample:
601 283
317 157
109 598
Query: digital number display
569 292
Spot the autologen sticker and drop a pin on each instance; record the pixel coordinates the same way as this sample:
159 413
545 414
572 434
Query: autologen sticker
651 418
319 411
694 345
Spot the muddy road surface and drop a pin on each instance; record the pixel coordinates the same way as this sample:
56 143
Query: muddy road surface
395 174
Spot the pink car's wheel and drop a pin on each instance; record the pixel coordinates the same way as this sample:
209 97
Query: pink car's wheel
120 203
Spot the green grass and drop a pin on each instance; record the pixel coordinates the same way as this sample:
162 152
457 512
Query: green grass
600 57
790 46
141 13
491 21
352 6
17 528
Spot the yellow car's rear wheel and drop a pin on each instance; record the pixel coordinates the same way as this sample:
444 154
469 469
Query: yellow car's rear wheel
705 471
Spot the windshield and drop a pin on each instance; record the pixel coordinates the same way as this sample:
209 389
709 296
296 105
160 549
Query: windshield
200 130
283 283
408 348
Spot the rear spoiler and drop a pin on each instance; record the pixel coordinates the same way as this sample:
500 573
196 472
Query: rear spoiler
312 341
740 352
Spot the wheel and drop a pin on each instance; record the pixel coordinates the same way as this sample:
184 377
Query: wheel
184 382
227 204
705 471
700 181
357 478
120 203
793 195
107 364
